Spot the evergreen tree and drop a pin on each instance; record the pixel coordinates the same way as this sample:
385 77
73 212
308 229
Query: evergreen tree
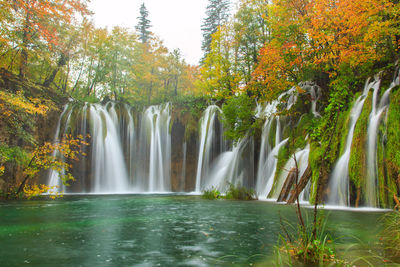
144 25
217 14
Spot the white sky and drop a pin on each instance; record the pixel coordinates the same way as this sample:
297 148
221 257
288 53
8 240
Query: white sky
176 22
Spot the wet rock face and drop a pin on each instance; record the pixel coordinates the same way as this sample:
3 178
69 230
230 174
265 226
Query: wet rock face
183 159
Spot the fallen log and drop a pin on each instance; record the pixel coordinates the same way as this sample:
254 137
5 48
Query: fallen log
287 186
300 185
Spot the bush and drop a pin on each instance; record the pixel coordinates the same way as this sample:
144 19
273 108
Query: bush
305 246
211 194
237 116
240 193
391 235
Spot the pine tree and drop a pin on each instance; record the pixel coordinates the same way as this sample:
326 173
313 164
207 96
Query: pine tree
217 14
144 25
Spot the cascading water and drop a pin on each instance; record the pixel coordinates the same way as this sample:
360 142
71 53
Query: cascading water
268 155
339 181
109 173
315 93
54 176
371 184
114 155
131 152
157 120
208 138
301 163
231 168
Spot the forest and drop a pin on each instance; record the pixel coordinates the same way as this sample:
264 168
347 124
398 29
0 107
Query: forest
294 101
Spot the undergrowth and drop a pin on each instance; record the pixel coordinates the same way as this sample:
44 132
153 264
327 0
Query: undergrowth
233 192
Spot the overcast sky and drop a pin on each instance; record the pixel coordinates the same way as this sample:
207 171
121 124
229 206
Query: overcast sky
176 22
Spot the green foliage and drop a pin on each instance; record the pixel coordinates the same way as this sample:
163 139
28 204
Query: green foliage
217 14
357 163
240 193
300 246
143 25
237 116
233 193
327 135
211 194
15 155
393 144
391 234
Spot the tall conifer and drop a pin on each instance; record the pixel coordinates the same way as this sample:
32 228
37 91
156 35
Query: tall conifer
217 13
143 25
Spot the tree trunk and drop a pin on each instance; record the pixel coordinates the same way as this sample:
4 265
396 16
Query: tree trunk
62 61
24 50
287 186
300 186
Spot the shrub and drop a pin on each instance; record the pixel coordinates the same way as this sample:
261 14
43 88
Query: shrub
240 193
391 234
211 193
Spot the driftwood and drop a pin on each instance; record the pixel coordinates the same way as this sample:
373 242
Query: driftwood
290 180
300 185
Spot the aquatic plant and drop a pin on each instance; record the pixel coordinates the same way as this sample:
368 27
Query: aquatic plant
211 193
240 193
391 232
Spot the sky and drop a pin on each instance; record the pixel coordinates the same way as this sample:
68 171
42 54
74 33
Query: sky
176 22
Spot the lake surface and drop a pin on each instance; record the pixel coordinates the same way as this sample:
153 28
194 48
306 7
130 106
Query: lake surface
151 230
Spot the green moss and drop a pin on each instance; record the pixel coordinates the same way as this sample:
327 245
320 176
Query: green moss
393 143
357 163
272 136
327 147
240 193
188 110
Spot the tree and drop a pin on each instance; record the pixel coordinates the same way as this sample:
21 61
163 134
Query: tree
217 15
143 25
219 77
37 24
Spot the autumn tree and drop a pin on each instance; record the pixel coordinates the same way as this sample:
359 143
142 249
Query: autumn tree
37 23
217 14
219 78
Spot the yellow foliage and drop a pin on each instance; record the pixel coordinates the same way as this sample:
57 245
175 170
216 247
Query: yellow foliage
19 103
37 190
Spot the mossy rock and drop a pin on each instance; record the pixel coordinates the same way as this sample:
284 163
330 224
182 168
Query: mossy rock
357 163
392 148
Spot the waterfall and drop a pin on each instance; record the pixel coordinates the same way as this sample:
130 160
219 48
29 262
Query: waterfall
378 108
54 177
155 150
268 156
130 141
315 93
208 138
119 160
302 164
108 166
230 167
339 181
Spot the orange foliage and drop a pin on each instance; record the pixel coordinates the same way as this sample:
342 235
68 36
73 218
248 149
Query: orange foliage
42 18
324 35
347 32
